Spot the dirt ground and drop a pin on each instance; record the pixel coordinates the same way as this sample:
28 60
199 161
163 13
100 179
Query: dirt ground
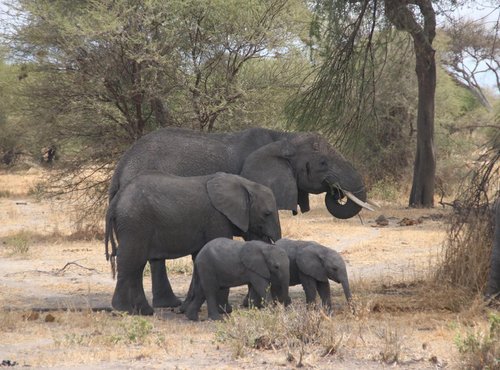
55 295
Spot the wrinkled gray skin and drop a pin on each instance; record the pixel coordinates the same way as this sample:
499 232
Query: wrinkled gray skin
313 265
224 263
291 164
493 286
158 217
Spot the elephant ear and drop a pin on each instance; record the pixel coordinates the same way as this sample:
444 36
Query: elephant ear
253 258
270 166
230 197
309 263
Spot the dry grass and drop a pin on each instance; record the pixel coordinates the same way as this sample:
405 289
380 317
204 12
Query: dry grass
465 258
19 184
295 330
73 338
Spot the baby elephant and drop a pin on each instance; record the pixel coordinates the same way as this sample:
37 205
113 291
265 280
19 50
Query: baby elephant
311 265
223 263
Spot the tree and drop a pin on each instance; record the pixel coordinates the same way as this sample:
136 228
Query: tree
102 73
473 50
401 15
223 37
353 32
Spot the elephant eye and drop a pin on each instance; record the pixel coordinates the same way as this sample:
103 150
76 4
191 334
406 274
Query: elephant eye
267 213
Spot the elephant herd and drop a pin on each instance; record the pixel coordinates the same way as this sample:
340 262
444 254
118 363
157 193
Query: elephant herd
177 192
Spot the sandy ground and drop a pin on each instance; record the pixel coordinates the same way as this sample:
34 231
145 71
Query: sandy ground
48 285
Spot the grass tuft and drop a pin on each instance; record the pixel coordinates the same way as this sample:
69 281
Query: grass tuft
295 331
19 243
481 349
5 194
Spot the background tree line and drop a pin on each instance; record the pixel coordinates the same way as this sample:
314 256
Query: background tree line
91 77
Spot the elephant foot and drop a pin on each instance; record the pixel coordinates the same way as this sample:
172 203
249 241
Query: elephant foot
245 302
227 308
145 311
172 301
138 309
192 314
184 306
215 316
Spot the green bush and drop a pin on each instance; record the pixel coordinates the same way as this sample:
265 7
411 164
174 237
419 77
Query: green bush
481 350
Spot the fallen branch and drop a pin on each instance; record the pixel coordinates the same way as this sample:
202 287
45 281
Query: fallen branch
56 272
76 264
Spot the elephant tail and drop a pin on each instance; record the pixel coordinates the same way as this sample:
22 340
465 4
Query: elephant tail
109 237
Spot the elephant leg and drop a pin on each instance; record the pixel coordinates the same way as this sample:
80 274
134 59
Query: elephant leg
211 289
190 293
246 300
324 293
223 301
129 293
309 286
197 299
163 296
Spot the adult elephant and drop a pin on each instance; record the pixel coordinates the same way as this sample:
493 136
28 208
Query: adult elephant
292 164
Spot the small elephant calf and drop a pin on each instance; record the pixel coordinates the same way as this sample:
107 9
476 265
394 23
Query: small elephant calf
312 265
224 263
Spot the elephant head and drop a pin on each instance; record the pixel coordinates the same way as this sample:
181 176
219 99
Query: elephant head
270 263
251 207
306 163
322 263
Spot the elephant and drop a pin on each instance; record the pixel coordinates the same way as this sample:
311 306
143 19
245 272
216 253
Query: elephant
224 263
157 217
312 264
291 164
493 285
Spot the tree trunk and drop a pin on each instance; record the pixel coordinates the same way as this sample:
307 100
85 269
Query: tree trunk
422 191
423 30
493 287
161 113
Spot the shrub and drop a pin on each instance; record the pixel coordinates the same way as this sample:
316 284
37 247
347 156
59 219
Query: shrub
481 350
295 330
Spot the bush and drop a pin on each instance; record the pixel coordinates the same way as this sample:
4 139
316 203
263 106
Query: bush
295 330
481 350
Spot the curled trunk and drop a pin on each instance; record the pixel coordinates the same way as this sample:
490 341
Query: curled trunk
340 206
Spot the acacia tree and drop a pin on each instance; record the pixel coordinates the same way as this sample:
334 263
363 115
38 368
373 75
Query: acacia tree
473 50
108 71
345 87
224 36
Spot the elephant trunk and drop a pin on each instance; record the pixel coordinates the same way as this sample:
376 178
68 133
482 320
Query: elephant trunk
347 293
269 236
345 205
279 289
284 298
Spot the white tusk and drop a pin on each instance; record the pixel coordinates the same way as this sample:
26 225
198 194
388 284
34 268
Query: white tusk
358 201
371 202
